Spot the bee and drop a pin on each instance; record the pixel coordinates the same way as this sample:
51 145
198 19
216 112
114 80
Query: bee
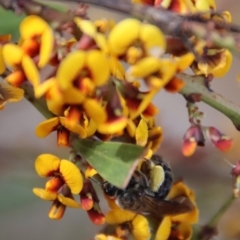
141 196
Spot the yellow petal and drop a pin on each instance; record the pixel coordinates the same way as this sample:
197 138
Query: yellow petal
90 172
70 67
46 127
141 229
180 189
95 110
144 104
2 64
73 96
71 175
45 195
186 230
30 70
46 165
69 202
46 48
143 68
129 28
42 88
114 126
185 61
224 66
118 216
106 237
12 54
73 128
31 26
99 67
131 128
142 133
164 229
57 210
116 68
153 40
91 129
86 26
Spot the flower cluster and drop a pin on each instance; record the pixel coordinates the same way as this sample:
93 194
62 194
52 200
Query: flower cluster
98 80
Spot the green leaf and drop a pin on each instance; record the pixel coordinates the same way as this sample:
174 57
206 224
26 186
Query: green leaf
9 23
114 161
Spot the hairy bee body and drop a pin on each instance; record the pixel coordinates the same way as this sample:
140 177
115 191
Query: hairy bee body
139 197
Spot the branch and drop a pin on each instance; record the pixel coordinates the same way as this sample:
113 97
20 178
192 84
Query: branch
169 22
196 85
175 24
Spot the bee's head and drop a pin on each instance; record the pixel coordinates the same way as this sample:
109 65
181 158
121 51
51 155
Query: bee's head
110 190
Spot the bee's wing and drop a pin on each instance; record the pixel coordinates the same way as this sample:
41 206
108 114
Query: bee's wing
160 208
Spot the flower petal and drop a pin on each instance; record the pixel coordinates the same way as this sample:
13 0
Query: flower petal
47 40
46 165
141 228
153 40
68 69
118 216
2 64
57 210
30 70
32 26
71 176
142 133
95 110
54 184
75 129
44 194
129 28
46 127
164 229
99 68
12 54
69 202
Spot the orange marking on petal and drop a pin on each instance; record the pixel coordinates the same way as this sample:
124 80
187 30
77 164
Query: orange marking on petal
175 85
16 78
75 129
30 47
63 135
54 184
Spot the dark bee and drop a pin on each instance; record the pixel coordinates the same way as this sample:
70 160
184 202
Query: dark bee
139 196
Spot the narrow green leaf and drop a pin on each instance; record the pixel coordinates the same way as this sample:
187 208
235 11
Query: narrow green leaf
114 161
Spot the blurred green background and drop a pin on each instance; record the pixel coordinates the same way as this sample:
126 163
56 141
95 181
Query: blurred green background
24 216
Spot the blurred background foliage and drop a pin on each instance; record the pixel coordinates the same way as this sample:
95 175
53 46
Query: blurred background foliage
24 216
